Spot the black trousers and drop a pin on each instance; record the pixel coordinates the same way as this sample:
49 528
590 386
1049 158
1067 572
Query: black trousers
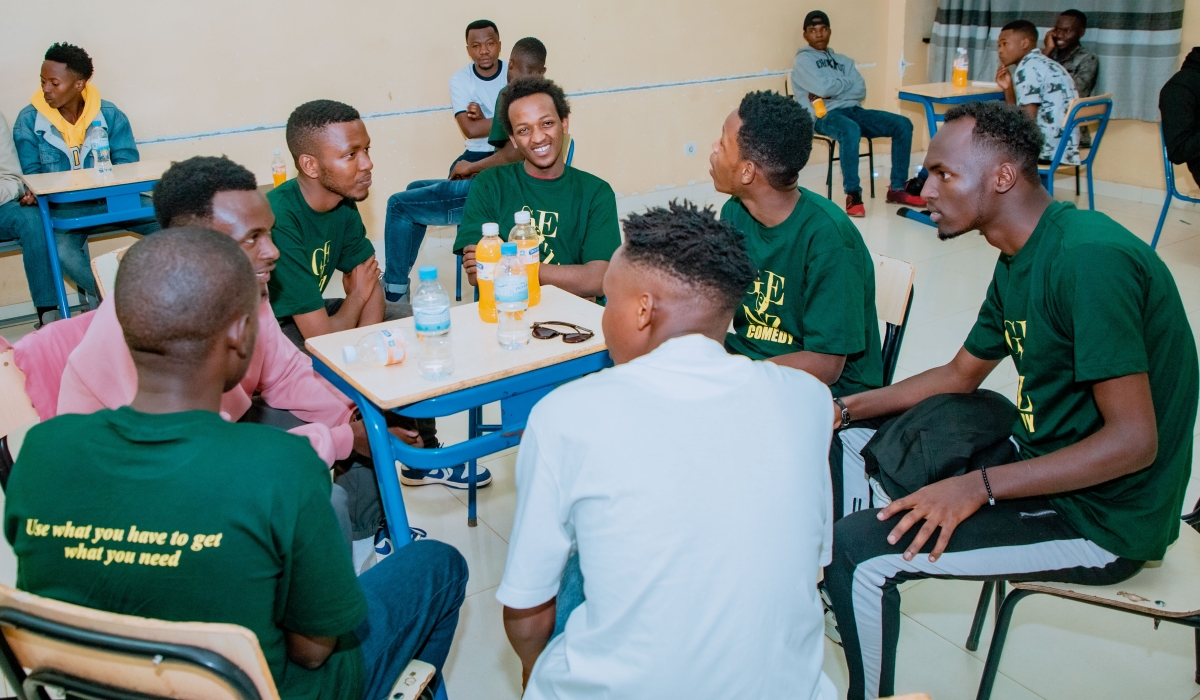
1018 540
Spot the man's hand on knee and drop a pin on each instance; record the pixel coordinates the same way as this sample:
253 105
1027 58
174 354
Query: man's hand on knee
943 505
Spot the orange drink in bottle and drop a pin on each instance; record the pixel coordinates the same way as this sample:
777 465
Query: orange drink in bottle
487 254
528 245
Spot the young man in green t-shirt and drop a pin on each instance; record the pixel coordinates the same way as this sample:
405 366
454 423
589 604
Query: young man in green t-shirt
318 230
1106 399
813 304
260 547
575 213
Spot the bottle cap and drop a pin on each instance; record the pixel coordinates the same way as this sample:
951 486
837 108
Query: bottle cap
508 248
276 151
349 354
961 50
490 229
96 122
521 217
426 273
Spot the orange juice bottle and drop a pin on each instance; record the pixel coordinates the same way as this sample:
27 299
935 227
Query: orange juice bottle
526 238
487 254
818 106
278 169
961 65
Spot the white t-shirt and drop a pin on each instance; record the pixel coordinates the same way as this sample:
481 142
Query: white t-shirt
466 87
696 487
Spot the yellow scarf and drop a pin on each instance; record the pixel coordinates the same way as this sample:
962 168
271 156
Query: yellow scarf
73 134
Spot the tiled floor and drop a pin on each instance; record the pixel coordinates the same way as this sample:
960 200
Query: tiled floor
1056 650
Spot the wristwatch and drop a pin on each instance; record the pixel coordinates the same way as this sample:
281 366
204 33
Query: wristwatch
845 413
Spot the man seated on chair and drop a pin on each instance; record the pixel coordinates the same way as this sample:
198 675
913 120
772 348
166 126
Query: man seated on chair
51 134
812 305
819 73
1106 397
1039 85
440 202
1179 104
21 222
177 514
678 604
575 213
318 230
1061 45
279 387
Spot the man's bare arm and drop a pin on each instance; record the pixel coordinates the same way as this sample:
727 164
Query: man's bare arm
473 128
827 368
306 651
529 631
361 284
502 156
962 375
586 280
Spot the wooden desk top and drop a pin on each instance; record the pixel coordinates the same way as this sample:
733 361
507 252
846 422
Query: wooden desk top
89 179
478 358
944 90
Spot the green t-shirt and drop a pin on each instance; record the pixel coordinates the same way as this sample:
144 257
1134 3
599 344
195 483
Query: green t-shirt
815 291
575 214
497 137
311 246
1089 301
186 517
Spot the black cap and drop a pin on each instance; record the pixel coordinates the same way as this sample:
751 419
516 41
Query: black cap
816 17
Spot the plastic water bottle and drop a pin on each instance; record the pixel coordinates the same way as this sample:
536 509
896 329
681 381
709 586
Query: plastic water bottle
431 316
487 254
101 154
528 250
961 64
378 349
512 298
278 169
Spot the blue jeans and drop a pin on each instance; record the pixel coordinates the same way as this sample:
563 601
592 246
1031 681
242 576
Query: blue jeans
413 597
848 125
570 594
24 224
423 203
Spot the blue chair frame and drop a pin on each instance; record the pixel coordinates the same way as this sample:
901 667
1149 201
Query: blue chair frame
1096 109
1172 191
458 270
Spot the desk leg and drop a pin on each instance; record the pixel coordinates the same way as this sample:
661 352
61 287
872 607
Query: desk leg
382 454
56 275
474 419
930 117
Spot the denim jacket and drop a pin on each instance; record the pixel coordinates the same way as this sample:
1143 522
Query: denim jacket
41 148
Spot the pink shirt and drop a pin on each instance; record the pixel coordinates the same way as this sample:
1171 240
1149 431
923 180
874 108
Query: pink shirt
43 354
100 374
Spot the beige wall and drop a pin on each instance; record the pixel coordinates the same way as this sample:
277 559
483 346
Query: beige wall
221 65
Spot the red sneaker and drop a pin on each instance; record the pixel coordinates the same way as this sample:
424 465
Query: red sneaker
903 197
854 205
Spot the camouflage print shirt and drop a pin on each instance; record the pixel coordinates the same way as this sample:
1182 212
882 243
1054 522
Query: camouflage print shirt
1083 66
1041 81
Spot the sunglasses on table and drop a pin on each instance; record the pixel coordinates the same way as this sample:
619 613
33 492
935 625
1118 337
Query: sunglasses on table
541 332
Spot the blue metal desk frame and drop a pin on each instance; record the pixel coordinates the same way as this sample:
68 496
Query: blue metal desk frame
517 395
124 204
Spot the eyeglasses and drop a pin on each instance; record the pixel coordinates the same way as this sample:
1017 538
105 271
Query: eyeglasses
541 332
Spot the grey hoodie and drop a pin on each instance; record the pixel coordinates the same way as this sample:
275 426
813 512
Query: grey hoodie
829 75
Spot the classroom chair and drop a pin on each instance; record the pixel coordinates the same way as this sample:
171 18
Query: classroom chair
1172 190
104 269
17 414
96 654
1082 110
569 155
893 301
1166 591
832 144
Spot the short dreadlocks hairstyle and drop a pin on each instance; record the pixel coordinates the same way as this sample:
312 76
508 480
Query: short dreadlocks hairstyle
533 86
309 118
76 59
185 192
776 135
1005 129
694 247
